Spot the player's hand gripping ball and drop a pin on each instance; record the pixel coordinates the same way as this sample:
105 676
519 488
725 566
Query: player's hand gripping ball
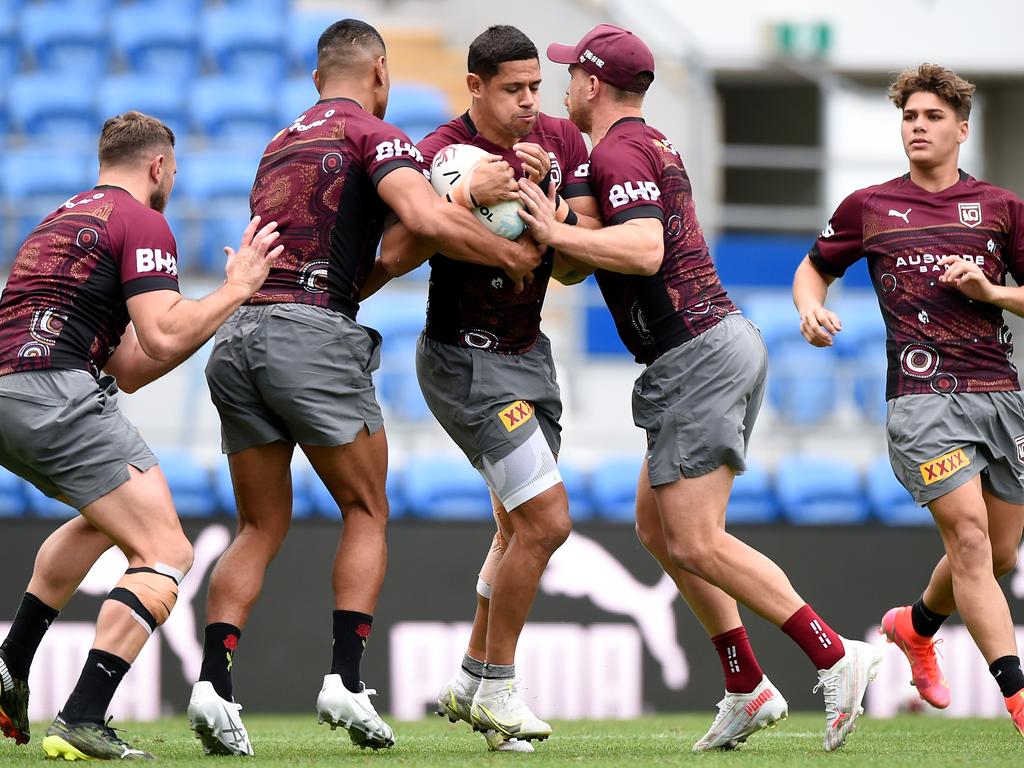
453 165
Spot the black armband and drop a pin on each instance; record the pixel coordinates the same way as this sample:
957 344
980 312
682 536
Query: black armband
571 218
545 183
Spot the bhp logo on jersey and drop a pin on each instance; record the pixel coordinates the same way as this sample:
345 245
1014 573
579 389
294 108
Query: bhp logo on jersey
155 260
397 148
631 191
948 464
515 415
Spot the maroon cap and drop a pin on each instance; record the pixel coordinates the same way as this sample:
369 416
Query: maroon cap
609 53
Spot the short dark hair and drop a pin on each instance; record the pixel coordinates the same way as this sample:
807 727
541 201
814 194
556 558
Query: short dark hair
496 45
932 78
128 136
637 88
339 41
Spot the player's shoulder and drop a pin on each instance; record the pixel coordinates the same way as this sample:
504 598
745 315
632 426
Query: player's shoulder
990 191
454 131
862 197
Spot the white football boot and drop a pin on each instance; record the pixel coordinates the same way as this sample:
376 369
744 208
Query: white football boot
845 683
338 706
497 706
454 702
216 722
741 715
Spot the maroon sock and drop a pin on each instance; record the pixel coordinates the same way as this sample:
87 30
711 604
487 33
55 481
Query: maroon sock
817 639
742 672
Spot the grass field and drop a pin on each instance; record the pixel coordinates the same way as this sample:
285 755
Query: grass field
662 740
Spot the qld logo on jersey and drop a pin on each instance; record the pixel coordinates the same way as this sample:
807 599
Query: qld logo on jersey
631 191
155 260
970 214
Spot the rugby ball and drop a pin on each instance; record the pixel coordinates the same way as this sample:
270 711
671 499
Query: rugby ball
451 165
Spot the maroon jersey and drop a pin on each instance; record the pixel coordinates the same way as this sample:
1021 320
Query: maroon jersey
476 306
64 304
318 180
635 173
938 340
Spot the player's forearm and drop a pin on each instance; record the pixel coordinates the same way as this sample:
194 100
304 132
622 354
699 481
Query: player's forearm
187 324
1009 297
810 287
455 232
625 248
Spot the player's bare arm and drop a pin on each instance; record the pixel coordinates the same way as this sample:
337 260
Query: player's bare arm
968 278
170 328
810 288
635 247
450 229
491 181
566 269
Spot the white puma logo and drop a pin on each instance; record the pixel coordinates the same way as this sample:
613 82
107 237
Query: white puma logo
583 568
904 216
109 672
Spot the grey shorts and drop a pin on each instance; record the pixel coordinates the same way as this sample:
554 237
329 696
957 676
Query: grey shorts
489 403
62 431
939 442
698 402
293 372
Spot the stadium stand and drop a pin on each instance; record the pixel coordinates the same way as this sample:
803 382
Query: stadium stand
753 498
445 488
613 488
12 494
816 490
890 502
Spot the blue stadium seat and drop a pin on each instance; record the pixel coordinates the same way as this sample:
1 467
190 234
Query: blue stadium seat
63 37
9 53
158 39
759 259
232 107
35 181
869 379
243 43
53 105
399 317
12 495
446 488
577 488
163 98
217 184
613 484
862 322
304 30
753 498
890 501
819 491
773 312
296 95
190 483
802 384
41 505
417 109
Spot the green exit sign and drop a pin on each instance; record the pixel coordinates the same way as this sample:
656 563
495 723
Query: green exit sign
803 41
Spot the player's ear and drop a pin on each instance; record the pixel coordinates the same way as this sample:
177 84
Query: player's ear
316 80
594 87
157 168
965 131
475 84
380 68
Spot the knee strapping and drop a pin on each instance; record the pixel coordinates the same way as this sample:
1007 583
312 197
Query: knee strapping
150 593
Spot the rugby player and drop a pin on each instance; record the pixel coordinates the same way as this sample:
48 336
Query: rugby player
293 367
486 371
700 393
939 245
92 305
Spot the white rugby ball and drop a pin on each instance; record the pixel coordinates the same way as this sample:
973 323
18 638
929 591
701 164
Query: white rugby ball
450 165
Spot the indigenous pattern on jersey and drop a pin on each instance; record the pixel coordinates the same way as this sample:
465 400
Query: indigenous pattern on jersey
476 306
636 173
318 180
938 340
64 304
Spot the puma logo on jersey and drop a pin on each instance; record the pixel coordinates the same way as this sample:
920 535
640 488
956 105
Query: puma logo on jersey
904 216
155 260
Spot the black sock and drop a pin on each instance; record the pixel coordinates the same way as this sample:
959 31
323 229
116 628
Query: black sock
351 629
926 621
30 624
1006 670
101 675
219 644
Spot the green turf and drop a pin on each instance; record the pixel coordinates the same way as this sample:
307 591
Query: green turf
663 740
